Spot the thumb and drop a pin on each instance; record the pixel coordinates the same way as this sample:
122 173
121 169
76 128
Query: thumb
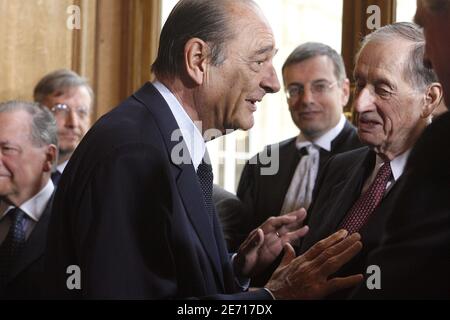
289 254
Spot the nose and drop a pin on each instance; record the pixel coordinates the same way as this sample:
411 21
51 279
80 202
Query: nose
307 96
270 82
71 119
364 101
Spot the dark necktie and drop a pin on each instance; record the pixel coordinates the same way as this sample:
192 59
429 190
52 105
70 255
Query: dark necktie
55 177
367 202
13 243
205 177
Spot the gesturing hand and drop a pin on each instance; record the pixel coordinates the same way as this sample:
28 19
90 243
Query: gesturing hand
307 276
265 243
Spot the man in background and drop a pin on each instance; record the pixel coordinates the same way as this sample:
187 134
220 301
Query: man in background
70 98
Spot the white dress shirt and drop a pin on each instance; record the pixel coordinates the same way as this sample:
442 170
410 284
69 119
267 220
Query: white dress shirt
190 132
325 140
33 208
299 193
397 166
60 167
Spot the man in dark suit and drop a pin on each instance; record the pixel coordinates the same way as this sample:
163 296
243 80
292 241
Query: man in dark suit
414 256
359 188
135 209
70 98
282 177
28 148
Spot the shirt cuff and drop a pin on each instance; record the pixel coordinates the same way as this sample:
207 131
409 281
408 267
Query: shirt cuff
271 294
243 283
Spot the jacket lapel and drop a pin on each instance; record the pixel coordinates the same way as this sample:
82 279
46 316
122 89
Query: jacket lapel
350 189
36 243
186 178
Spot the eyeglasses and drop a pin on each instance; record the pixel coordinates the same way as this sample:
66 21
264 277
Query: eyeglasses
62 110
316 88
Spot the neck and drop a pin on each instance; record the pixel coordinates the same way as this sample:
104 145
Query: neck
184 95
63 157
400 146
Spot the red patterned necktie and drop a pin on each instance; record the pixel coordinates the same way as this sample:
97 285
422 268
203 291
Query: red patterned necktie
367 202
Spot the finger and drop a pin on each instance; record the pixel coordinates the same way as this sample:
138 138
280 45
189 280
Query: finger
335 250
324 244
337 284
300 233
294 225
333 264
274 223
289 255
254 240
299 213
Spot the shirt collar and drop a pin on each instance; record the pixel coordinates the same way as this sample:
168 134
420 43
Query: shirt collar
325 140
60 167
34 207
191 134
397 164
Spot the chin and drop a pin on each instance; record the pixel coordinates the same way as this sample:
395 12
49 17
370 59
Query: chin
246 125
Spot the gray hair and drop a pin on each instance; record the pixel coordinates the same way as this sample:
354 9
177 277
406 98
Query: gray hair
207 20
43 124
314 49
58 82
415 71
437 6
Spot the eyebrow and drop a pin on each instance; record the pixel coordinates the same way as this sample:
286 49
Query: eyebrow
266 49
314 81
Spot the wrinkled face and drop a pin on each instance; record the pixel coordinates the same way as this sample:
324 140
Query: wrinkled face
437 49
22 164
74 122
388 107
233 88
318 107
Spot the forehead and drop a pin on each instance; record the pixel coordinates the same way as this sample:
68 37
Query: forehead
75 95
15 125
315 68
383 58
254 35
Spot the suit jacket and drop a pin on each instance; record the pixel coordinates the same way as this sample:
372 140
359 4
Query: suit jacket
229 209
339 187
414 255
263 195
26 280
133 217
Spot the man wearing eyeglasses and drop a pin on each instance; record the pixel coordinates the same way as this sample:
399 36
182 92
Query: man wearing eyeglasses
395 96
317 90
69 97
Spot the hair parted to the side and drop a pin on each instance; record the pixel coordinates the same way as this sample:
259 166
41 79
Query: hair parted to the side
43 124
207 20
58 82
415 71
315 49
